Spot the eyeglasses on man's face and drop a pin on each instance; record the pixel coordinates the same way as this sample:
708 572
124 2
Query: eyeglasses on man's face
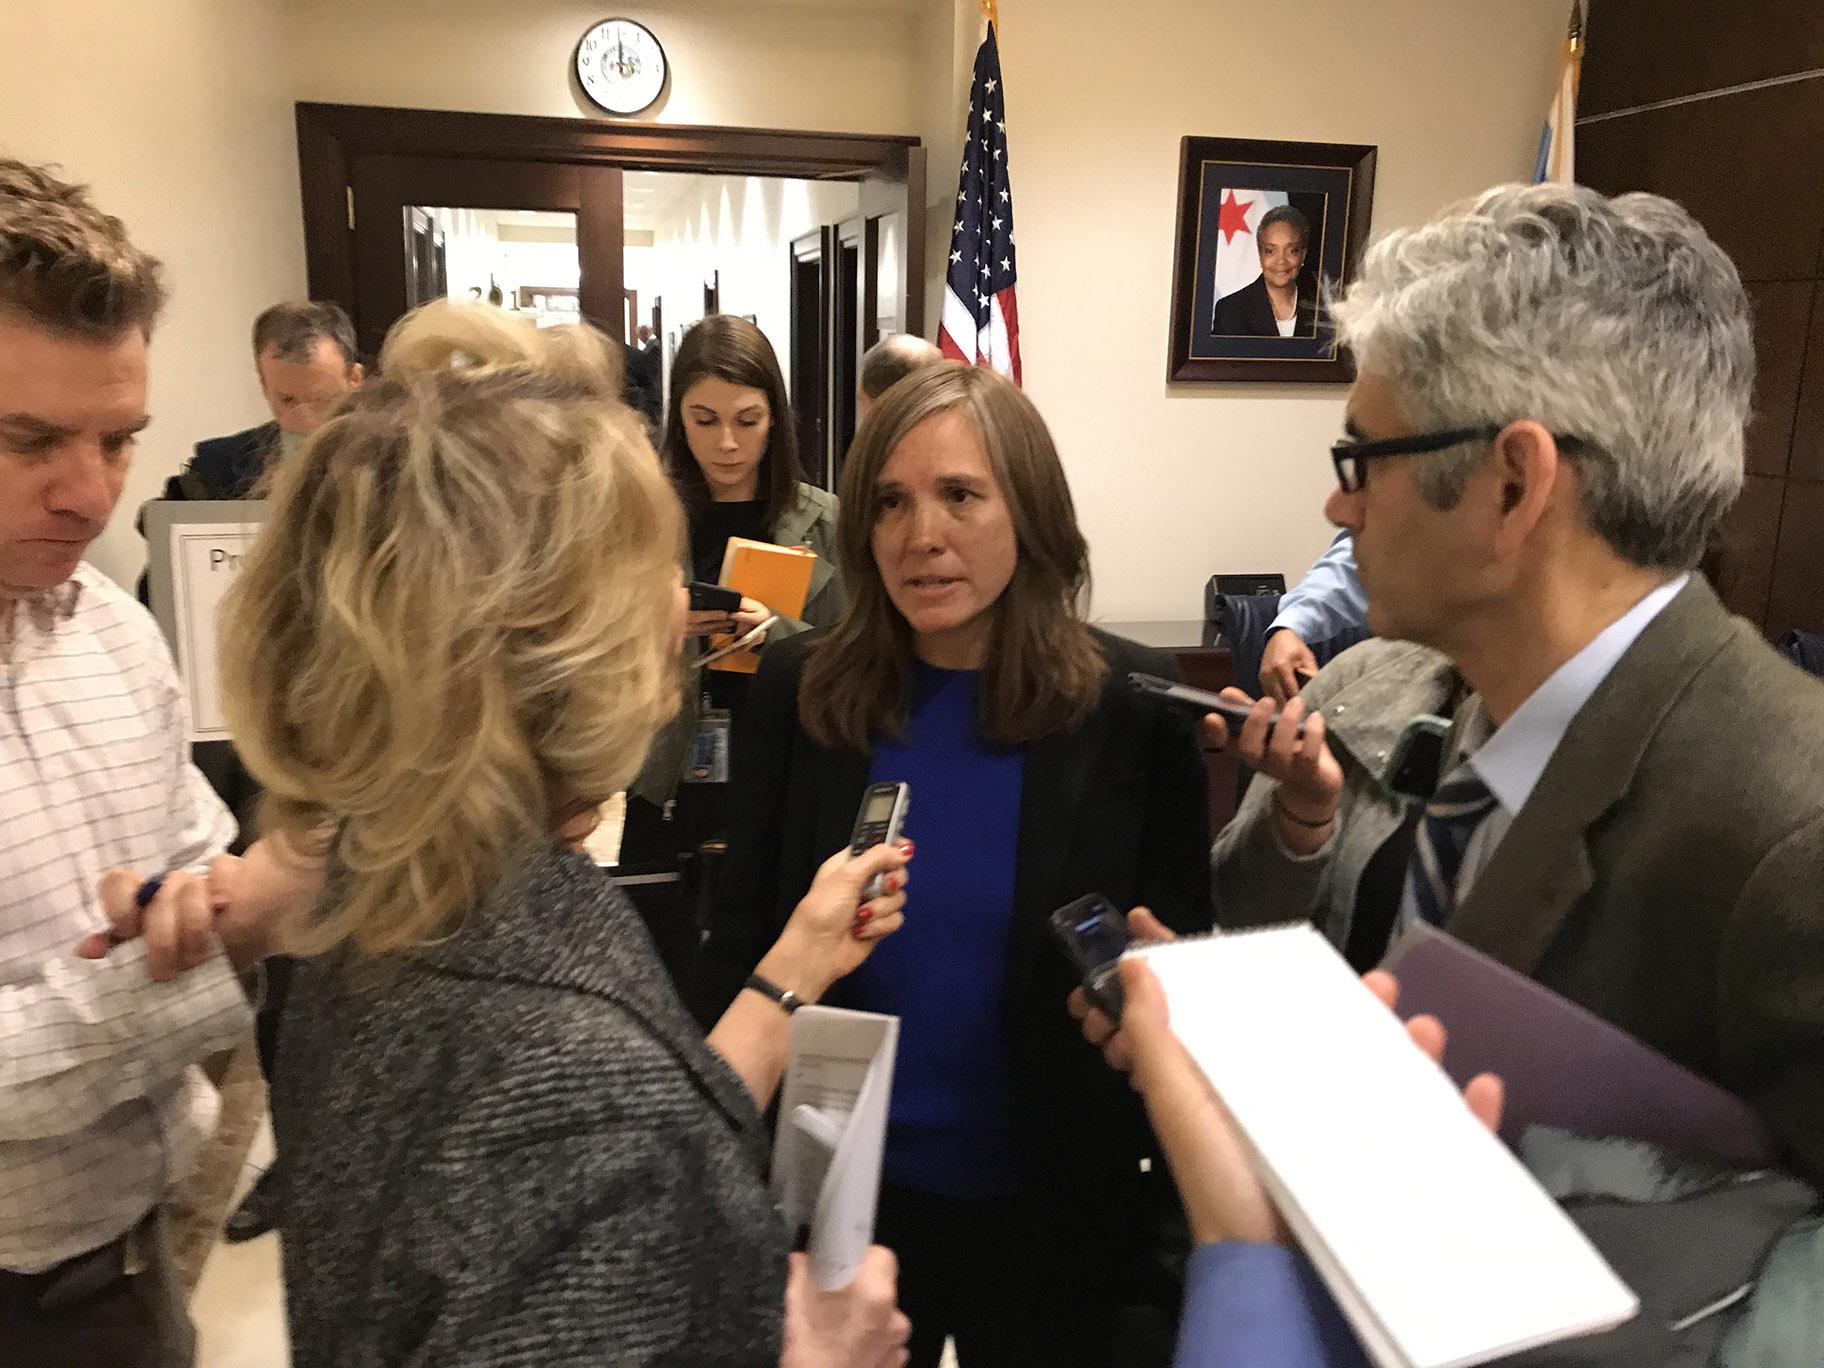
1351 457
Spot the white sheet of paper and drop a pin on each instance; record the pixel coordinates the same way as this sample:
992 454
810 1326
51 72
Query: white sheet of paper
205 560
1434 1240
833 1134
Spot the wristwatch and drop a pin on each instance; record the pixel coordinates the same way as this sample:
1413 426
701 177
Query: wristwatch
785 997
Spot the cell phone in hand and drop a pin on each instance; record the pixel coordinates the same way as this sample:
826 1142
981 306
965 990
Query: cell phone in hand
1197 702
713 598
1094 934
879 822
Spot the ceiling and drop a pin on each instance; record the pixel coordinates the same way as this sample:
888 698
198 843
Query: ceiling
649 199
648 196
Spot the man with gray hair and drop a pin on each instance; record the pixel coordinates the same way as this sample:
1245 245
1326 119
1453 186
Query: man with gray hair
1628 802
1547 428
306 359
889 361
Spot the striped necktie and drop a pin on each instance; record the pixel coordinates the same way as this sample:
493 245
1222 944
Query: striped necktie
1452 815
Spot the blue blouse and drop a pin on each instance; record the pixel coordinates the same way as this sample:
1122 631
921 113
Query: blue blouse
944 974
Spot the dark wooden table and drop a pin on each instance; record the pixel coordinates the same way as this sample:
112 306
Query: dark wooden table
1203 657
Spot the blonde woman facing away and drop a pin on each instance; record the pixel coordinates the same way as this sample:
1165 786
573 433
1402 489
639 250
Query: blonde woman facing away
505 1141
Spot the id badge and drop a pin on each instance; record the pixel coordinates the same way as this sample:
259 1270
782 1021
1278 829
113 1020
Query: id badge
709 749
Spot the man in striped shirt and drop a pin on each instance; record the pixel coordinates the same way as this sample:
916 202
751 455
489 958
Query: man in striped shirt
102 1107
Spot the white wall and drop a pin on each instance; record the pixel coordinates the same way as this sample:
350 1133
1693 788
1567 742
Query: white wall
752 63
178 114
1174 483
743 227
477 255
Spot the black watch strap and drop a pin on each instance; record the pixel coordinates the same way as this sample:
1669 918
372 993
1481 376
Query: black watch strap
785 997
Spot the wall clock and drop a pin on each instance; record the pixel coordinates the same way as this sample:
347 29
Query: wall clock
620 66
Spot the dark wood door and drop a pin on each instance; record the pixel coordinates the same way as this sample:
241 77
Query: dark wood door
810 266
851 311
385 189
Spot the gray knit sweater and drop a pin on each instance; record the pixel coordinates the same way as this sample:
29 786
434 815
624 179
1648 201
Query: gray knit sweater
515 1148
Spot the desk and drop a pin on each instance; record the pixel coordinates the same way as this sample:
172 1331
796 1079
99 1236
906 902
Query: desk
1203 658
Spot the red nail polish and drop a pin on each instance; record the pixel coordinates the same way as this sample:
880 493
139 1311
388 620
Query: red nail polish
865 916
906 848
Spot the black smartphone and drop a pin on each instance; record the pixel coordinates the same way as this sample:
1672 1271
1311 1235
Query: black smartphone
879 821
1196 702
1093 932
716 598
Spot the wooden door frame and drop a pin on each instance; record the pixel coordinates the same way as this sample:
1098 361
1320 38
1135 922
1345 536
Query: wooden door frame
382 185
332 136
818 245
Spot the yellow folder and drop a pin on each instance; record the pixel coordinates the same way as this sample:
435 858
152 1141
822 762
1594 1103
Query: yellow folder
778 576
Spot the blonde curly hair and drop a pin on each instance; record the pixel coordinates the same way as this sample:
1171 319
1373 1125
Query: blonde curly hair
455 631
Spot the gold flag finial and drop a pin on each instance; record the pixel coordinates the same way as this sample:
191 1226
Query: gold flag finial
991 11
1575 33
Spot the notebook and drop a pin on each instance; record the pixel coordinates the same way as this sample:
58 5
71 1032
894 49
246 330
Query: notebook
778 576
1564 1066
1436 1243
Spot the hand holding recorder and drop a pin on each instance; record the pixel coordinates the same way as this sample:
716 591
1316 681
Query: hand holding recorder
1286 745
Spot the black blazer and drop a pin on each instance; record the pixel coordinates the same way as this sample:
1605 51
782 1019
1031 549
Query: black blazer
226 467
1249 313
1119 806
220 468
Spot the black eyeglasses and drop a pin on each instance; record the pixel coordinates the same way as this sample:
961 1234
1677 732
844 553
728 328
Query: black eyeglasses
1350 457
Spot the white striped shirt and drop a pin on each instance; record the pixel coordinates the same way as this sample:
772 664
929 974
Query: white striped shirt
101 1106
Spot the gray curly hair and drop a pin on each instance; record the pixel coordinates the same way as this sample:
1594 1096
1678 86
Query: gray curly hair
1615 321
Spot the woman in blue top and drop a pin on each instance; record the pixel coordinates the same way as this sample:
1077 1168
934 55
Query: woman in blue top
1014 1193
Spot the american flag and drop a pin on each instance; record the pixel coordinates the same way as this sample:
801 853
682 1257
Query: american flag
981 321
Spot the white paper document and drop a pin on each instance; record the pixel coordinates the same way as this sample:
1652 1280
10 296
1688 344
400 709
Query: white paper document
833 1133
1436 1243
206 559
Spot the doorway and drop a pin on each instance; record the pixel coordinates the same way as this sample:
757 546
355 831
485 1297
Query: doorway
364 168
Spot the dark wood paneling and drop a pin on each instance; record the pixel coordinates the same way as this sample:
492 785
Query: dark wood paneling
1750 167
515 137
323 181
1798 566
1209 668
601 249
1782 314
1749 536
1808 426
1646 50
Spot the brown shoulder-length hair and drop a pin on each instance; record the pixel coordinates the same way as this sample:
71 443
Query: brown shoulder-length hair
729 347
1044 671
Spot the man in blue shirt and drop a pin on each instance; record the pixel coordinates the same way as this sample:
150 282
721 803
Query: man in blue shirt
1327 602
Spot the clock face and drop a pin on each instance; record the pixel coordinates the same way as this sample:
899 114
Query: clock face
621 66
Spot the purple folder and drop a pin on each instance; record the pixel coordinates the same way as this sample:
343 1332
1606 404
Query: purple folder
1564 1066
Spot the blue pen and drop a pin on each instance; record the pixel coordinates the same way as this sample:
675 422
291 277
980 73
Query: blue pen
143 899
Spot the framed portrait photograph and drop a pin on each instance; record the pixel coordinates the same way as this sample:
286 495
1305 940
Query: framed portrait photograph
1266 232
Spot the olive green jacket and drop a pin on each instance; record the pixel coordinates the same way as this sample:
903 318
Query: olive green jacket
810 521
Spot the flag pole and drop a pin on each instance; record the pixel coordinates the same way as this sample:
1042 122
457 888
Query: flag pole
1574 35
